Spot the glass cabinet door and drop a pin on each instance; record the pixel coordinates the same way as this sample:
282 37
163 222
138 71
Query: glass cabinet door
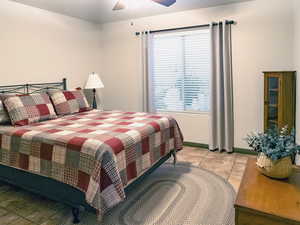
272 102
279 99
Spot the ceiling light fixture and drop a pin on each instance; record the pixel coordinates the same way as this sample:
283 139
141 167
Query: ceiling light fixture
122 4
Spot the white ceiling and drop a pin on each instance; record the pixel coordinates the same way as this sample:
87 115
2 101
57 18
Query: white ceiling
100 11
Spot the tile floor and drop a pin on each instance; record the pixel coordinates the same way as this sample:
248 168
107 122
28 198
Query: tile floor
18 207
229 166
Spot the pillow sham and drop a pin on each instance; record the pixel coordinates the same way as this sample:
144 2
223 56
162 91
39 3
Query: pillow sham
69 102
27 109
4 118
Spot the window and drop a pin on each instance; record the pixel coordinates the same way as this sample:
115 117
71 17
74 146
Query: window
180 71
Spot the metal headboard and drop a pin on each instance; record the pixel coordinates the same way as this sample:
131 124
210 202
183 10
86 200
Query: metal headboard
33 88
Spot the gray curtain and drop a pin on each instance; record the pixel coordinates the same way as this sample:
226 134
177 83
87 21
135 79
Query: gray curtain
146 41
221 97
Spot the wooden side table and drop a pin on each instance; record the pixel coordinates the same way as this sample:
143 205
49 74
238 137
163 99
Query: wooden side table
265 201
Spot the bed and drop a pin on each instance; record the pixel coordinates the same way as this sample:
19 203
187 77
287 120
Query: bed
88 160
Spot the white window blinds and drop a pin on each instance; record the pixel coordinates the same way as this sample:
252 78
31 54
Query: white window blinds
180 71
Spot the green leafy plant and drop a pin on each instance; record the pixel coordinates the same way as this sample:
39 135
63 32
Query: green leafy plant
275 144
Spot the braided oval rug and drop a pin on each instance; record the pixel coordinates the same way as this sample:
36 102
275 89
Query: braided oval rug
181 195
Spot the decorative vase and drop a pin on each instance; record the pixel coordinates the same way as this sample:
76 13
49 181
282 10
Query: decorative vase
278 169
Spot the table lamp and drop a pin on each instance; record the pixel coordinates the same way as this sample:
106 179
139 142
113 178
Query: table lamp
94 82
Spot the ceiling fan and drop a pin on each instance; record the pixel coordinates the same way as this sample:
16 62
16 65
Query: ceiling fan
122 5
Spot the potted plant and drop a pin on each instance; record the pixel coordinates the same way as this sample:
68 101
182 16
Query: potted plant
276 149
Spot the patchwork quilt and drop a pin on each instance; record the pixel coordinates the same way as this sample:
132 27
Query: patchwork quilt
96 152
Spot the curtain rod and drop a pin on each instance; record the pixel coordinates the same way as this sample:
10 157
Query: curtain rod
185 28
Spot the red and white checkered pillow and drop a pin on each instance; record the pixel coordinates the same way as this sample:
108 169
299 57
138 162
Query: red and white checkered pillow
69 102
4 118
27 109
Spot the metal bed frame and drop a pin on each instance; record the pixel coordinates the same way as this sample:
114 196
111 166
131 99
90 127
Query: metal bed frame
48 187
33 88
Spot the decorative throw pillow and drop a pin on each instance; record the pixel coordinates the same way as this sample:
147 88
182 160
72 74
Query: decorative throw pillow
68 102
26 109
4 118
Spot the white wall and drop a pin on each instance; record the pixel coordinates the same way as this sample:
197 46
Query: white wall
297 61
40 46
262 40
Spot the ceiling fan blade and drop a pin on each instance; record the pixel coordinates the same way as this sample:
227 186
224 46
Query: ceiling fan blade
120 5
166 3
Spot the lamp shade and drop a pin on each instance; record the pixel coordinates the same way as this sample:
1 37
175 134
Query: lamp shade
94 82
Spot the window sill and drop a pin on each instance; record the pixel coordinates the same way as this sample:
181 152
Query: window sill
185 112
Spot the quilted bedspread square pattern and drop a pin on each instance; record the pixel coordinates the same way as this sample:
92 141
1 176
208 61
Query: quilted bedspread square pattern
96 152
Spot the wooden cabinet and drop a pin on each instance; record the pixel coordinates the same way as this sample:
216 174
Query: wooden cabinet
280 99
265 201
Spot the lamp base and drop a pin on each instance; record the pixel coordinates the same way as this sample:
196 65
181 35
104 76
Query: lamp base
94 99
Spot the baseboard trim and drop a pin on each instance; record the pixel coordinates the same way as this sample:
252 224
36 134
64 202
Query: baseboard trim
244 151
205 146
193 144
